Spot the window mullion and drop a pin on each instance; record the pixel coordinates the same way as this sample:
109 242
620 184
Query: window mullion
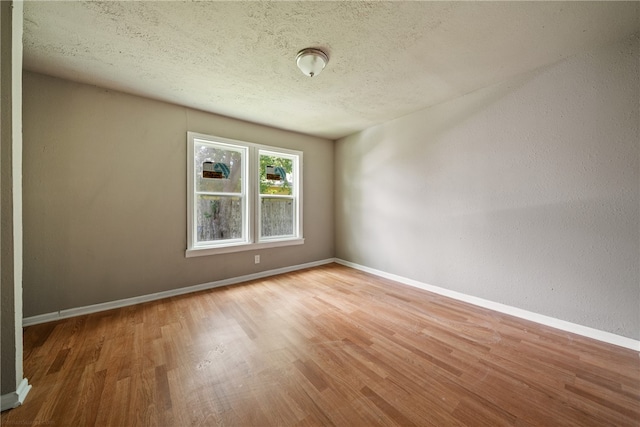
213 215
277 196
254 191
218 193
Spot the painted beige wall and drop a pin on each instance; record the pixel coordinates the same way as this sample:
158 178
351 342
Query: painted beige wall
105 196
525 193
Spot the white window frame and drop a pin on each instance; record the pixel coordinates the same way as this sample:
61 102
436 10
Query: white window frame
252 199
296 158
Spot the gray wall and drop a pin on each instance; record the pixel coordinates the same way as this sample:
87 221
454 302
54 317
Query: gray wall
105 196
524 193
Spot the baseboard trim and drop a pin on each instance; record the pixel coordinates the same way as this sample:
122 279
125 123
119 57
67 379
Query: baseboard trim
15 398
563 325
95 308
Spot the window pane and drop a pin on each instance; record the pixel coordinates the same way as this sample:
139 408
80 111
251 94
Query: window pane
217 169
276 175
218 218
277 217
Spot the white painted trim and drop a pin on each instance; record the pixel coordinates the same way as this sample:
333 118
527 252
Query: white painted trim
78 311
563 325
241 247
250 193
15 398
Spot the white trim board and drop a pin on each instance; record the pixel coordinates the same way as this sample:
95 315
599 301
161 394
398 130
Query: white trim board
563 325
15 398
72 312
501 308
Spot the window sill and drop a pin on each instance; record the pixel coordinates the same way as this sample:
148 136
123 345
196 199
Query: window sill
208 250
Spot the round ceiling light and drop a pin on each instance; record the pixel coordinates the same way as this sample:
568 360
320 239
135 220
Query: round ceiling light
311 61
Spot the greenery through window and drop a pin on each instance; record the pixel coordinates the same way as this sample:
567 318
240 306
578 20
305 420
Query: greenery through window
242 195
277 195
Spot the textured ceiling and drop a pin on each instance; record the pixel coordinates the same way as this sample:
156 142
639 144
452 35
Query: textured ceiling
387 59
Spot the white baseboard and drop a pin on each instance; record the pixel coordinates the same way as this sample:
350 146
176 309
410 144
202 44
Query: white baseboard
72 312
15 399
563 325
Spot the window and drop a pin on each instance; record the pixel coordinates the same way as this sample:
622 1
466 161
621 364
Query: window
278 201
241 196
220 193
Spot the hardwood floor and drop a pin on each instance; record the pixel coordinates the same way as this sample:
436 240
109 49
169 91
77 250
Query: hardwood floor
324 346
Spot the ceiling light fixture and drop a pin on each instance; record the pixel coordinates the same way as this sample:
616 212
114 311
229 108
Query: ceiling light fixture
311 61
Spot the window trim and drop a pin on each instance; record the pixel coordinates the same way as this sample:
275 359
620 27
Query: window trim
296 196
251 167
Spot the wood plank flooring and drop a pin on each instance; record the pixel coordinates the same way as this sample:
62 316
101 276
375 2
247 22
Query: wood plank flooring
323 346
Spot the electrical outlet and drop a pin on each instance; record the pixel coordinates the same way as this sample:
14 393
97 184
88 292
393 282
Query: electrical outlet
257 259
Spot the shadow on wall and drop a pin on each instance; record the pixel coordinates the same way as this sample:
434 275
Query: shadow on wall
379 147
524 193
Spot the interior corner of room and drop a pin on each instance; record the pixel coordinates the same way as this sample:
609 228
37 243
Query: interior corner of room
522 194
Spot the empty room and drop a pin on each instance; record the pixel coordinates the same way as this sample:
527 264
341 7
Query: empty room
307 213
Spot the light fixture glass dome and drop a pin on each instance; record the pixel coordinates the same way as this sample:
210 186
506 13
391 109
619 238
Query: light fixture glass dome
311 61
